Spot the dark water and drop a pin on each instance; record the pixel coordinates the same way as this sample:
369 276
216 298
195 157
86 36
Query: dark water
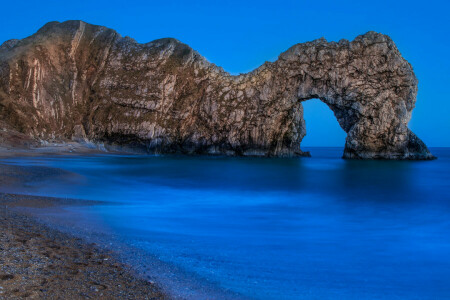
319 227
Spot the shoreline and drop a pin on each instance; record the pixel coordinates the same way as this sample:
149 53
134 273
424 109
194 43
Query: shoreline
72 148
157 280
40 262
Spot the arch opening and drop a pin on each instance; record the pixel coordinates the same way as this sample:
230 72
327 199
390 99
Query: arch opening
322 128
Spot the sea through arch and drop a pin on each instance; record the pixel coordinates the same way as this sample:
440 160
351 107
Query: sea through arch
323 131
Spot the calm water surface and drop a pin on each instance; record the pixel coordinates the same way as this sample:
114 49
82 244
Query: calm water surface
307 228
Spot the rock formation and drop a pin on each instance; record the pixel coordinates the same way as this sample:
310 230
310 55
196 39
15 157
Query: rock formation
76 81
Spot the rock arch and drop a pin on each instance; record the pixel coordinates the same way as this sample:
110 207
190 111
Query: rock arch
76 81
368 85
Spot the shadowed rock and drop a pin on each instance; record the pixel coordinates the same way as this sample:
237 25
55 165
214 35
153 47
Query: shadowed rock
76 81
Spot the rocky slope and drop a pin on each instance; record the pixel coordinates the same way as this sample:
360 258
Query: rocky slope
77 81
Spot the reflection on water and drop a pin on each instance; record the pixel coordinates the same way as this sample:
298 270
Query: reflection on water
319 227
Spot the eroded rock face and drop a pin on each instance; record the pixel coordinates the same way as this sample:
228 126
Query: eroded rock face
76 81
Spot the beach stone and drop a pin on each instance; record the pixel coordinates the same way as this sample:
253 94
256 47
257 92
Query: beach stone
6 276
86 83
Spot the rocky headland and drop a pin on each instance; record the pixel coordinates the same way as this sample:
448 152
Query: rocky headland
74 81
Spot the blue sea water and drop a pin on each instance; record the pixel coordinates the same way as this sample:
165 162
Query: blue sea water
303 228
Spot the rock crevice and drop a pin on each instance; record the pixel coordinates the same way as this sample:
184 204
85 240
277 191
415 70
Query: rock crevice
74 80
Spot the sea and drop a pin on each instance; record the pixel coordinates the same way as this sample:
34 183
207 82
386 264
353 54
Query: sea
205 227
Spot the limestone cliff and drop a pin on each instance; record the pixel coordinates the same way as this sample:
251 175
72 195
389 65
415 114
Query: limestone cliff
76 81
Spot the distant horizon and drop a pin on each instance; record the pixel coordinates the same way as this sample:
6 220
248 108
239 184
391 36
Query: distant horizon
239 37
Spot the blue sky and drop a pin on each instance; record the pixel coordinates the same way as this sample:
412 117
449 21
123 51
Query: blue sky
241 35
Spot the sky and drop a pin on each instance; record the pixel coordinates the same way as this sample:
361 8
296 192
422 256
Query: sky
241 35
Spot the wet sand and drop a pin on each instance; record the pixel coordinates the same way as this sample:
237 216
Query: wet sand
38 262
